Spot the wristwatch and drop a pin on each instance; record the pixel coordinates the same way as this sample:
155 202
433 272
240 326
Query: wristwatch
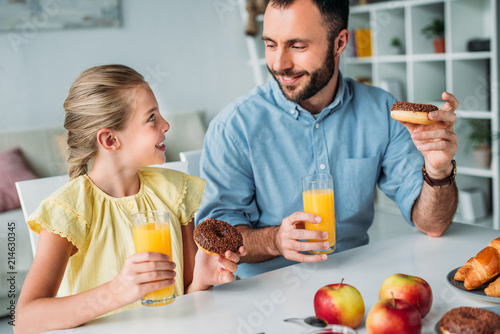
448 180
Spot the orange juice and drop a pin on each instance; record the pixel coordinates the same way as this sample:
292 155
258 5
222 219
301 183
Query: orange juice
320 202
155 237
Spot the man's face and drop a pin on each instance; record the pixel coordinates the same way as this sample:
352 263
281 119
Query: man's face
299 53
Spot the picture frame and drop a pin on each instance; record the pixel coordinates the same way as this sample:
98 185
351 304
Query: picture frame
34 15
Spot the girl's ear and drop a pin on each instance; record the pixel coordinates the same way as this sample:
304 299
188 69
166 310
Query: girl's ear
108 140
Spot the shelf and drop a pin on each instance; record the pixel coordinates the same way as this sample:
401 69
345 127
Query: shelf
425 2
391 59
421 75
470 55
420 57
472 171
479 11
358 9
423 57
473 84
476 114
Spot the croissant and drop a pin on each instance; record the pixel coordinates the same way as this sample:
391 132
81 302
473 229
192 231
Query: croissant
460 274
493 290
485 266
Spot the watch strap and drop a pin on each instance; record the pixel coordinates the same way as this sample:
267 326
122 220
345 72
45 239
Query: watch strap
442 182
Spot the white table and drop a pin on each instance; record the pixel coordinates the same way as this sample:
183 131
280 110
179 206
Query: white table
260 303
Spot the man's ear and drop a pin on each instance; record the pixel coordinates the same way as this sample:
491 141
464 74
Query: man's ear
341 42
108 140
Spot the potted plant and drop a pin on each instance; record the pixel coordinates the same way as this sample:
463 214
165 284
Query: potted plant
396 46
479 139
435 31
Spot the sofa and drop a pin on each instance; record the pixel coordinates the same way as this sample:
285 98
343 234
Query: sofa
41 152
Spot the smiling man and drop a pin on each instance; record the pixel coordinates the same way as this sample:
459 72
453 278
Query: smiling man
309 119
303 60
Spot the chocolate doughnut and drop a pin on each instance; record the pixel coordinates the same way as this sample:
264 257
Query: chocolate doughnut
469 320
215 237
412 112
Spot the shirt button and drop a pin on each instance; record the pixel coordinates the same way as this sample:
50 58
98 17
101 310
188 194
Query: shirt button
316 125
322 166
130 205
292 111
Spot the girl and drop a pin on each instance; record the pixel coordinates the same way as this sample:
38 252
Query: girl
85 251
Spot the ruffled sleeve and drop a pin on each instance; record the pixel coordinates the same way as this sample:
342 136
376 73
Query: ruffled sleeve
60 218
182 193
190 201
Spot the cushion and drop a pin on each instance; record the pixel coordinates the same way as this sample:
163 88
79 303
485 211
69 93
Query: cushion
62 145
40 150
13 168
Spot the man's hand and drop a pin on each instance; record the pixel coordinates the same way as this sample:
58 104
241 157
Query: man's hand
289 235
434 208
437 142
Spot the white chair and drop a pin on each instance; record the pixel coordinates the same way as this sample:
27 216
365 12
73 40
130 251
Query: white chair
32 192
193 159
181 166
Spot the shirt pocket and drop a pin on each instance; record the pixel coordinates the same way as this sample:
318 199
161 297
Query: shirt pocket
357 186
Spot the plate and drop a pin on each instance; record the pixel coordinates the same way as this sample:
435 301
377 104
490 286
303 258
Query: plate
476 293
495 309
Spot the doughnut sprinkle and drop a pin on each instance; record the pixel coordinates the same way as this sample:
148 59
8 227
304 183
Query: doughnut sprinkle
469 320
215 237
418 107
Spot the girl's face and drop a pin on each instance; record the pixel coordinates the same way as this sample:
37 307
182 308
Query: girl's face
142 139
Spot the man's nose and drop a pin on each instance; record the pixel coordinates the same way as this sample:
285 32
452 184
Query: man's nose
282 61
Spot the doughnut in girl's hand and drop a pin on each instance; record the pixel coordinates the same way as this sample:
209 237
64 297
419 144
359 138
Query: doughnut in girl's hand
215 237
412 112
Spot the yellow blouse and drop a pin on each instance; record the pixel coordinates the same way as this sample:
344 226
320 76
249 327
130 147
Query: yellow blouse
100 225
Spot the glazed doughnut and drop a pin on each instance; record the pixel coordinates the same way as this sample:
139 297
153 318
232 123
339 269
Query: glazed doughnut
215 237
469 320
412 112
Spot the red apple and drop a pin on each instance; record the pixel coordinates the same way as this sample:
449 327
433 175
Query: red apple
339 304
413 289
393 316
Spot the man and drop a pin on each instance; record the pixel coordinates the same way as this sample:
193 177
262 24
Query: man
311 120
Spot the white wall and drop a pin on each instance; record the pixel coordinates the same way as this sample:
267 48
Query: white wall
193 53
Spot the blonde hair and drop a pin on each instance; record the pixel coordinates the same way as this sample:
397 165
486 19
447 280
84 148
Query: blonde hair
99 98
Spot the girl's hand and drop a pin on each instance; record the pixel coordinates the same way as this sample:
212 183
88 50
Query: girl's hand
142 273
212 270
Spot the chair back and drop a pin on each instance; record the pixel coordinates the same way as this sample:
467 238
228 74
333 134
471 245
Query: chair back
181 166
32 192
193 158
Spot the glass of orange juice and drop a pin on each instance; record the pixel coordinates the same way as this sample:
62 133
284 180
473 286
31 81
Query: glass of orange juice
317 195
152 234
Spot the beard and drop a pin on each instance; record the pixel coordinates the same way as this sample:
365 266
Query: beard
317 79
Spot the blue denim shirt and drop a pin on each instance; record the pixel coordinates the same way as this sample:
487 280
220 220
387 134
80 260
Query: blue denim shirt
258 148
